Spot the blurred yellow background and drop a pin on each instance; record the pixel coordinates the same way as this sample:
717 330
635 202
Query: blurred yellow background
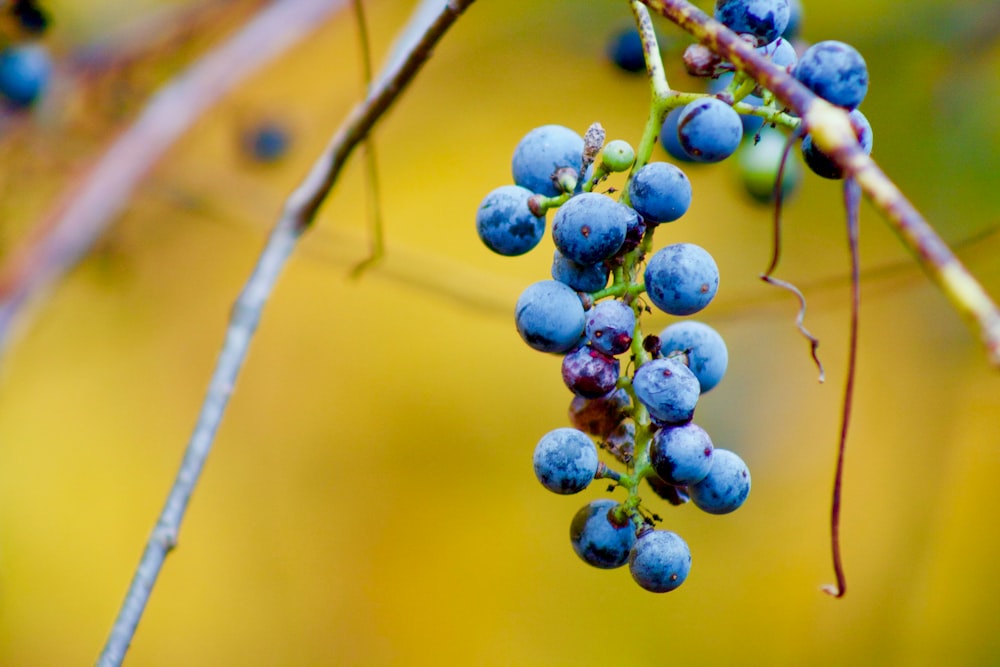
370 499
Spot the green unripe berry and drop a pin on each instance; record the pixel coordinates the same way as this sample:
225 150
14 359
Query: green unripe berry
618 155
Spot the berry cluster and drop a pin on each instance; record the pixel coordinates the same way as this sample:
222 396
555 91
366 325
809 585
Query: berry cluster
25 64
635 394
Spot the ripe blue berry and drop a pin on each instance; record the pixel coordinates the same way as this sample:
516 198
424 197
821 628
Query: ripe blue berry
625 50
821 164
669 140
25 71
591 227
660 561
541 153
590 373
709 130
505 224
609 326
565 460
835 71
765 19
598 539
549 316
707 354
781 52
668 389
681 455
267 141
660 192
681 279
581 277
725 487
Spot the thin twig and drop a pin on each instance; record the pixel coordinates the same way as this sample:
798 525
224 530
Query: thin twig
832 133
298 214
83 214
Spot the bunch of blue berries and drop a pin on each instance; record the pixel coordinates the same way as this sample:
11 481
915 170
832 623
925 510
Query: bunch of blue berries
634 395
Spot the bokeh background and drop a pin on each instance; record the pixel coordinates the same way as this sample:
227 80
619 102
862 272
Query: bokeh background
370 500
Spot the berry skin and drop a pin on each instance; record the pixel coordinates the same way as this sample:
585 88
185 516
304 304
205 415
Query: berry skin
581 277
591 227
835 71
764 19
505 224
549 316
660 192
599 416
725 487
821 164
609 326
660 561
668 389
758 162
669 140
541 153
681 455
565 461
618 155
589 372
707 354
25 71
681 279
597 540
625 50
709 130
781 52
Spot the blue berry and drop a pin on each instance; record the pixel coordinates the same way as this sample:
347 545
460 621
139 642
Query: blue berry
725 487
625 50
707 354
541 153
757 163
549 316
599 541
660 561
266 142
591 227
681 455
589 372
668 389
610 325
505 224
781 52
709 130
821 164
565 460
835 71
669 140
765 19
581 277
599 416
750 123
25 71
681 279
660 192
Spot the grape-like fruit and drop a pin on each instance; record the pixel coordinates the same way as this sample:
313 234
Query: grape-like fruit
599 416
565 460
794 19
542 152
681 279
668 389
681 455
590 373
781 52
625 50
610 325
581 277
669 140
835 71
750 123
725 487
549 316
660 192
758 162
706 351
505 224
660 561
591 227
618 155
764 19
25 70
821 164
709 130
599 541
267 141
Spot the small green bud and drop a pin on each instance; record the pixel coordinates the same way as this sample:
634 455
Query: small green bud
618 155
